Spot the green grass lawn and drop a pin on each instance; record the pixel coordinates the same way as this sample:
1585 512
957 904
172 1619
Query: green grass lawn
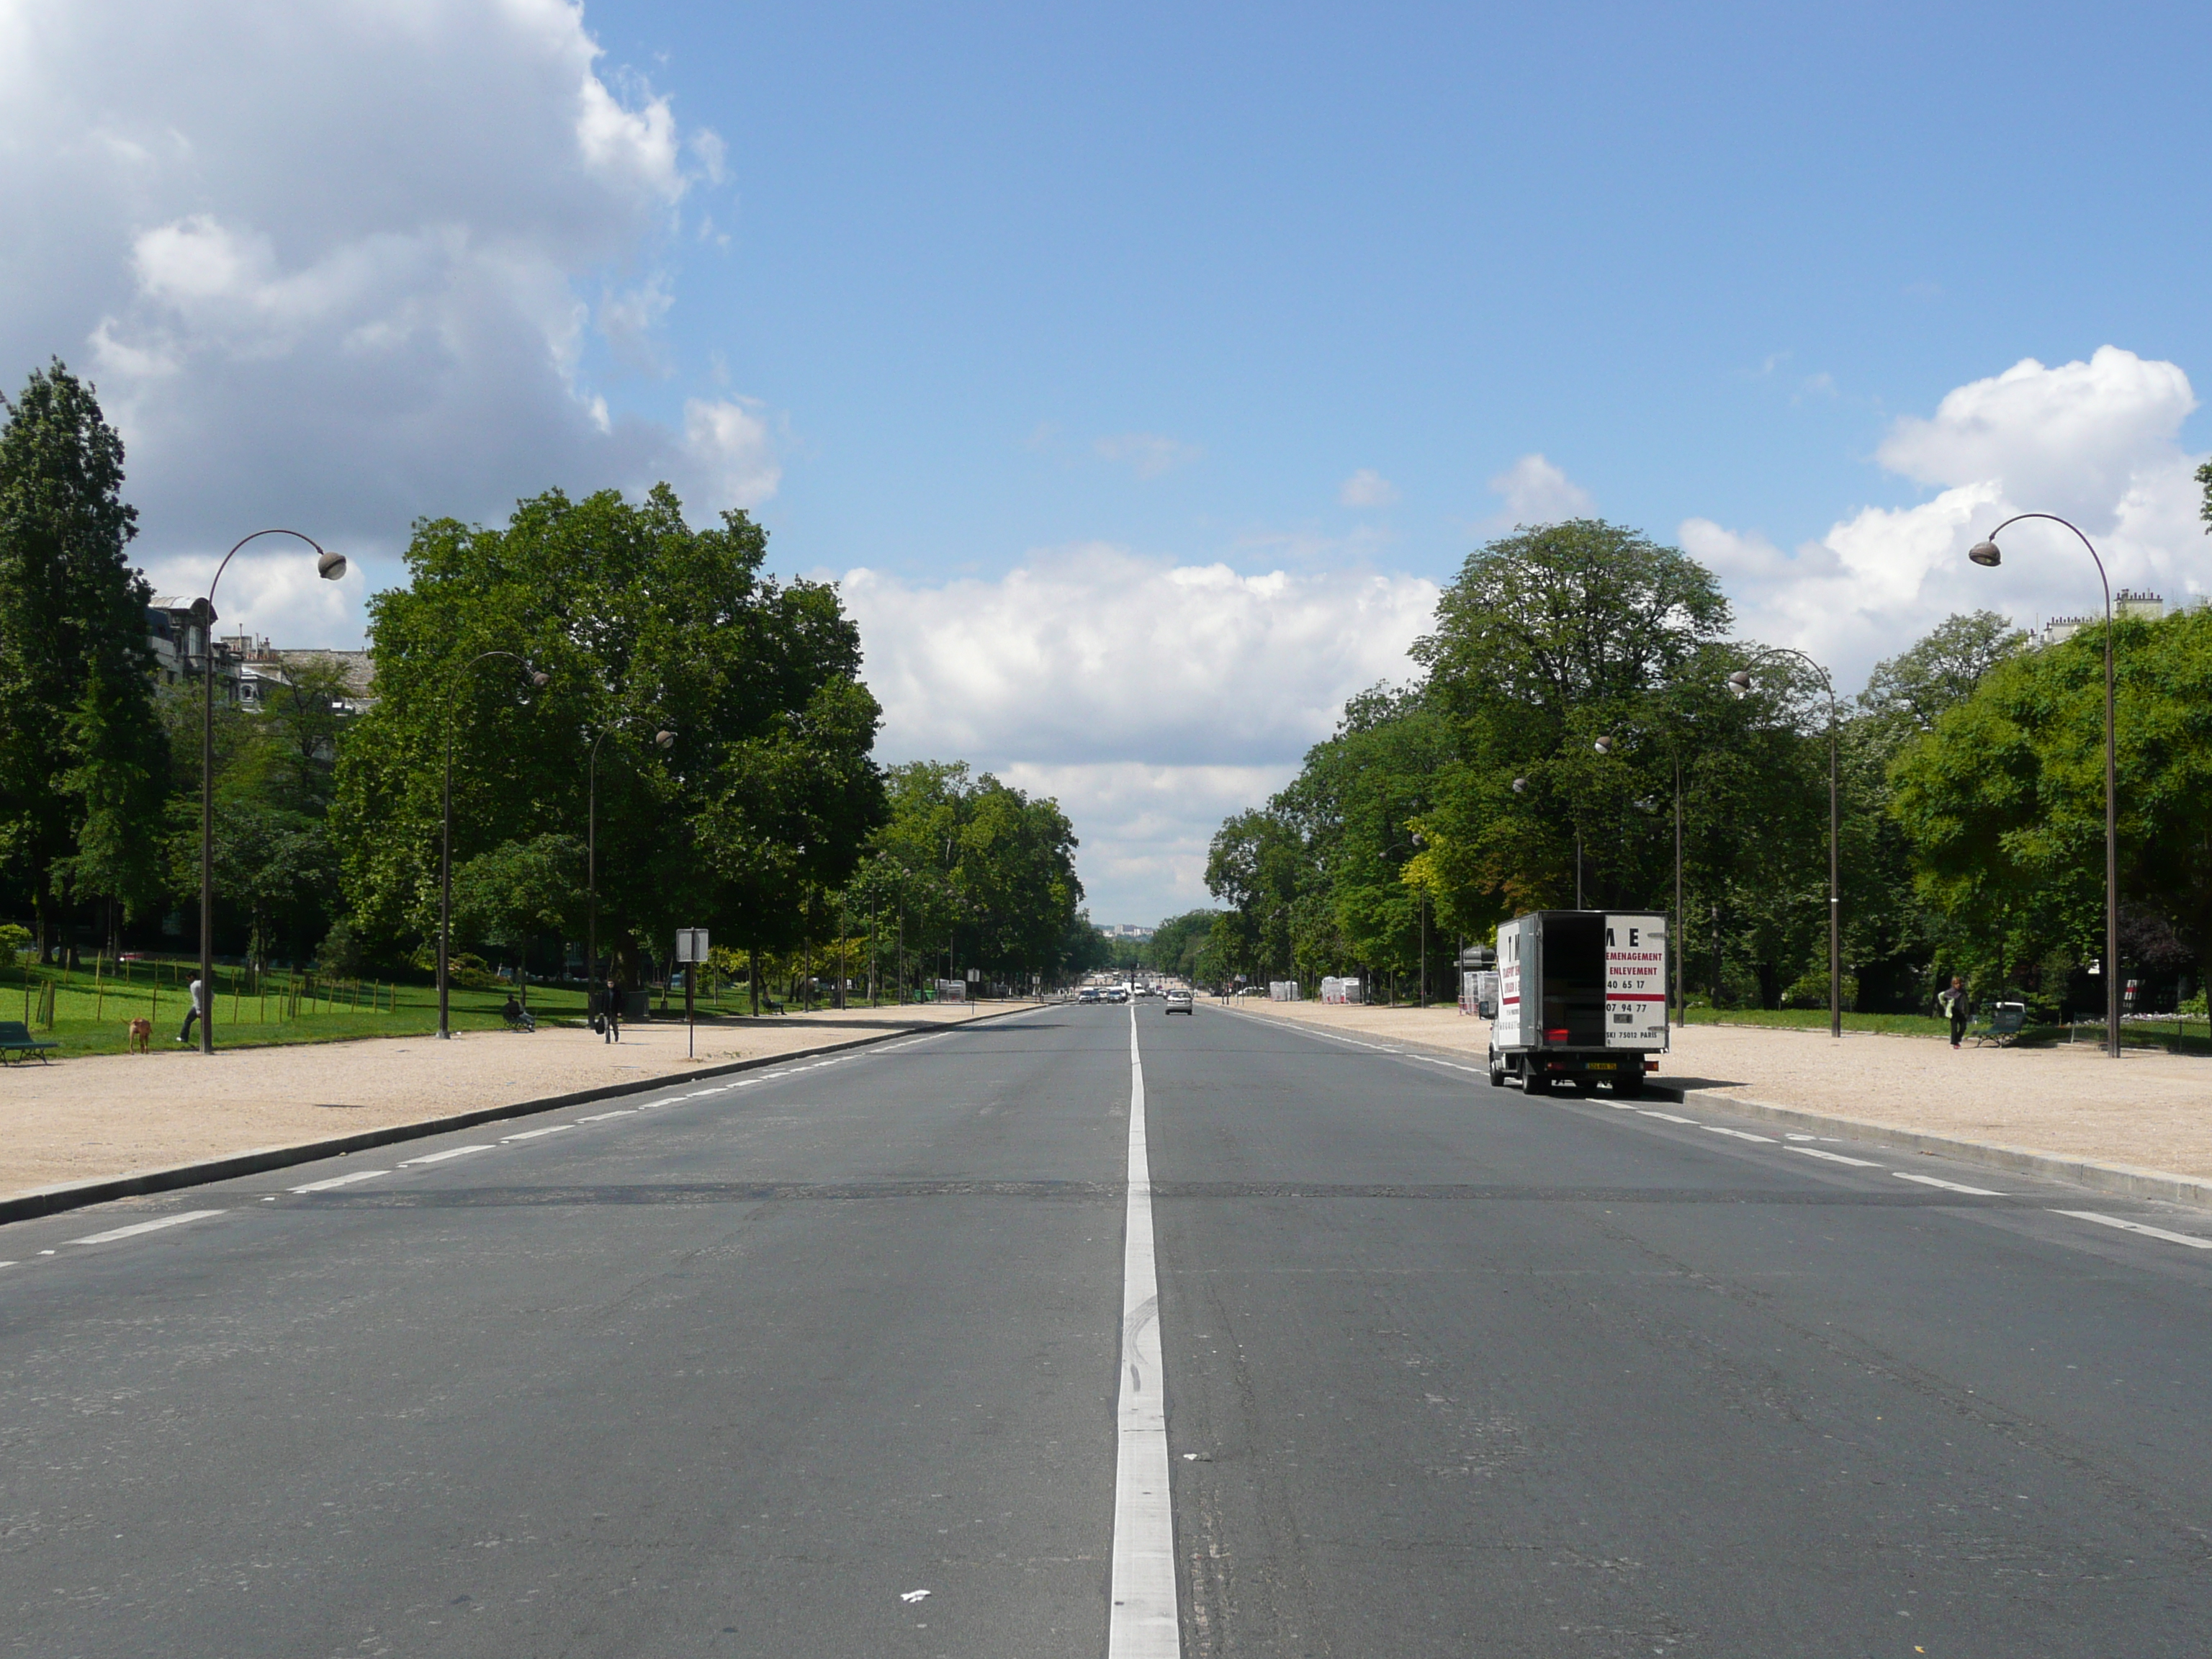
92 1010
2193 1038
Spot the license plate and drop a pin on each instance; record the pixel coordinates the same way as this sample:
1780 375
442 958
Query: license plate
1603 1066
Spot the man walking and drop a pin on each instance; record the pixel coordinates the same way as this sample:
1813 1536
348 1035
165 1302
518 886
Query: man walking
194 1008
610 1011
1953 1000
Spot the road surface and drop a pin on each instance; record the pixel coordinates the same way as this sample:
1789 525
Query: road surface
848 1357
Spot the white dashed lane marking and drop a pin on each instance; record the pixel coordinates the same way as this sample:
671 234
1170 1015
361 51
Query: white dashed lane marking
341 1180
1740 1134
1835 1157
137 1227
1948 1186
601 1117
440 1157
2144 1228
528 1134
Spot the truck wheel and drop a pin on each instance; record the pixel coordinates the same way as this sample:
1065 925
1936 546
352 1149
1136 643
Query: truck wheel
1533 1082
1497 1072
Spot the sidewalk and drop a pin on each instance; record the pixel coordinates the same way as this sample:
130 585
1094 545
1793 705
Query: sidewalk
107 1114
2147 1111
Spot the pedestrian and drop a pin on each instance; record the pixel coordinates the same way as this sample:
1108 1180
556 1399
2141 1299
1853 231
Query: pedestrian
1953 1000
610 1011
194 1008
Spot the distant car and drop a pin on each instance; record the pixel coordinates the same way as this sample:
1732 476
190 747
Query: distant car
1178 1002
1117 993
1088 994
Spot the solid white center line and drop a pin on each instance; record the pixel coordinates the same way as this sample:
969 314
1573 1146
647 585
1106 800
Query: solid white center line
532 1134
1143 1621
1948 1186
1835 1157
341 1180
440 1157
2147 1230
135 1228
1740 1134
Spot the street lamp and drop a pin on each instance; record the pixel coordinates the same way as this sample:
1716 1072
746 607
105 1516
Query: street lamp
539 680
331 566
1986 554
1738 685
662 739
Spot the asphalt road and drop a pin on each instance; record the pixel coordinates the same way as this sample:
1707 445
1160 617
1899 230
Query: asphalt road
1447 1372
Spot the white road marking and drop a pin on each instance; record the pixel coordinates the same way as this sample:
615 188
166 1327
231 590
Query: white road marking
1948 1186
600 1117
1144 1620
7 1264
532 1134
1835 1157
1740 1134
440 1157
2147 1231
135 1228
341 1180
1669 1117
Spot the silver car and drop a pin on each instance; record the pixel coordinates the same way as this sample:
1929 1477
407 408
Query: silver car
1178 1002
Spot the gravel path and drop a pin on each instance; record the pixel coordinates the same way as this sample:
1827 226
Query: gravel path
2147 1110
107 1114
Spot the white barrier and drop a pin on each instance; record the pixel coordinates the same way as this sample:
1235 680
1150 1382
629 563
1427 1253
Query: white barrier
1284 990
1334 989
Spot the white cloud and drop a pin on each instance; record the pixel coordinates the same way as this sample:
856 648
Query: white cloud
1367 488
2097 442
1153 698
1147 454
329 262
1537 492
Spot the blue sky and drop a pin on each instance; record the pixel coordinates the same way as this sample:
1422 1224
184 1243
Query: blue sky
1697 255
1139 372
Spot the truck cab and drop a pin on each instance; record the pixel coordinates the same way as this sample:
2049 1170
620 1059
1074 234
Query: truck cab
1581 999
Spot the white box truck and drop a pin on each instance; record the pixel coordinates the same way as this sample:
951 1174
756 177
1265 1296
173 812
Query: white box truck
1581 999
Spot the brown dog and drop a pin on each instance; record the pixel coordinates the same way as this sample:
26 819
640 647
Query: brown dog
142 1036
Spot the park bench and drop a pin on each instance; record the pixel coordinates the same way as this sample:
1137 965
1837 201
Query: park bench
16 1043
2003 1028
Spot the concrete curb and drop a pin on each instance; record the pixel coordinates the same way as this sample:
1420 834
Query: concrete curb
2123 1179
78 1194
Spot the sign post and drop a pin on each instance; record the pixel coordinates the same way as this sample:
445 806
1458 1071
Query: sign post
691 951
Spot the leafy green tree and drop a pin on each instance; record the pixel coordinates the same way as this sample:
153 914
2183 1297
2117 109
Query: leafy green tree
518 889
2003 801
81 759
642 623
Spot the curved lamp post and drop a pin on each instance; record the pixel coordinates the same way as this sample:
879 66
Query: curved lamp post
1739 683
664 739
1986 554
331 566
539 679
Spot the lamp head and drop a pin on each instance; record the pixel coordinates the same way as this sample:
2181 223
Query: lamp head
1603 746
1986 555
1739 683
1520 786
331 566
666 739
539 678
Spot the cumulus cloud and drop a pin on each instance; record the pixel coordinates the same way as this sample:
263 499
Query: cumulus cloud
2097 442
1367 488
334 264
1153 696
1147 454
1537 492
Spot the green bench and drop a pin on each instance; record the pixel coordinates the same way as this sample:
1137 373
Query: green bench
16 1043
2003 1027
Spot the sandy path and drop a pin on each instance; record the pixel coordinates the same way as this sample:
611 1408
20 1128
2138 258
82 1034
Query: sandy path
2147 1109
103 1114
